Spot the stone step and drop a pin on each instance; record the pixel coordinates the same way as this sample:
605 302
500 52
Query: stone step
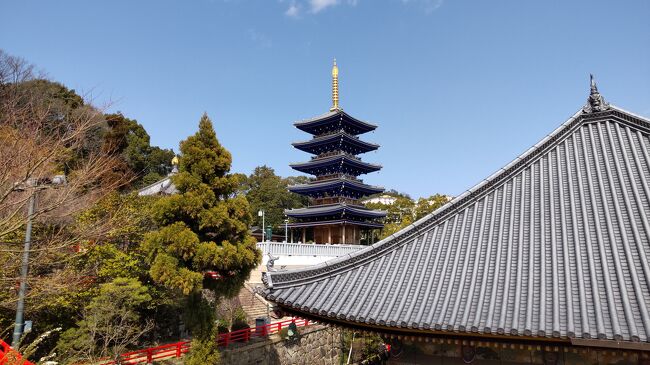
253 305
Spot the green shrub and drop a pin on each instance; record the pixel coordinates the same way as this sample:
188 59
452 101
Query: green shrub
203 352
222 326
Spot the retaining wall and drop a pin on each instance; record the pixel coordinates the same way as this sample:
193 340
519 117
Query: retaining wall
317 345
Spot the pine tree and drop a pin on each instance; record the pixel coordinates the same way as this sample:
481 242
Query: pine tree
204 228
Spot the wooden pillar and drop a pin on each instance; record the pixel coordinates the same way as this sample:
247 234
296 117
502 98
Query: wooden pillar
344 241
291 235
329 234
304 235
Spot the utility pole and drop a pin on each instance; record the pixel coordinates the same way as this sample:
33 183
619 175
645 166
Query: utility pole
286 228
20 308
34 185
262 214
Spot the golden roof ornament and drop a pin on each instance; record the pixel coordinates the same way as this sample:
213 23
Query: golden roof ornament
175 165
335 87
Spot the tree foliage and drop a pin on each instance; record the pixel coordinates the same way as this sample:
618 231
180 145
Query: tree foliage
404 211
204 228
110 323
129 140
269 192
45 130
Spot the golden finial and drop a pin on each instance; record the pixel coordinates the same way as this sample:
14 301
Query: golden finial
174 165
335 87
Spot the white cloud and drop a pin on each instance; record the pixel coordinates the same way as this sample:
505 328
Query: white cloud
318 5
261 39
429 6
293 10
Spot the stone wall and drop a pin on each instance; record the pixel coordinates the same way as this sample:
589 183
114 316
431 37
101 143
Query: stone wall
317 345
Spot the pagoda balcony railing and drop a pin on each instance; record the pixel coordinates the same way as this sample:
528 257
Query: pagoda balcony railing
335 132
335 153
306 249
334 200
336 176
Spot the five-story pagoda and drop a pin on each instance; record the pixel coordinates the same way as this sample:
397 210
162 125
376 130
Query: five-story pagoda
335 213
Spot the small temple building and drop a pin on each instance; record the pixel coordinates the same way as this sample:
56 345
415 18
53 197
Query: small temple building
335 214
547 261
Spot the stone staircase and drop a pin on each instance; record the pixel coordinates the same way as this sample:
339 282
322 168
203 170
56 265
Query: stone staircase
252 304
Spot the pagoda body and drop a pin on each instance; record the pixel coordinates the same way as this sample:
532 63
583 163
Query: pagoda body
335 213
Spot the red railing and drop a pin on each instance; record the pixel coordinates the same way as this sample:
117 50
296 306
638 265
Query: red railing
9 356
224 339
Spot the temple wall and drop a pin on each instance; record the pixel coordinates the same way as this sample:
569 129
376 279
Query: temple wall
443 353
337 234
318 345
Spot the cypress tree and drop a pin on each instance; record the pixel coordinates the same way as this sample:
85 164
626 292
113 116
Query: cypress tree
203 229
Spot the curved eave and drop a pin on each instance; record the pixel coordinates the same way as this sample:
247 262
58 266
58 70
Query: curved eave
331 120
335 161
334 209
338 141
335 222
340 184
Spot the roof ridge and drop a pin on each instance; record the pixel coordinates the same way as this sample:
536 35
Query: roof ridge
168 177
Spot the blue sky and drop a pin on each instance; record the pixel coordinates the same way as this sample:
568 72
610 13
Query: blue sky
458 88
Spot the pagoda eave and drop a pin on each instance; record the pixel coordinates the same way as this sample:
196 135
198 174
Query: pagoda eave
334 120
335 209
340 140
335 186
372 225
341 163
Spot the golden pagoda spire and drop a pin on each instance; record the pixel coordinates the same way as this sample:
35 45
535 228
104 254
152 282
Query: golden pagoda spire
335 87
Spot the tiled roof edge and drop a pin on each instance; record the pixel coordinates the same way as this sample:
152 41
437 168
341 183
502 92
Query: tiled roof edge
168 177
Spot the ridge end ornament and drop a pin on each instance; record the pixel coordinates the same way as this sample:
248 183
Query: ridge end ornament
595 101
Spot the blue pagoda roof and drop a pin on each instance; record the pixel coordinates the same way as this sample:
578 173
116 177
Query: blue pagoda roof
339 210
334 121
327 222
336 141
336 164
333 186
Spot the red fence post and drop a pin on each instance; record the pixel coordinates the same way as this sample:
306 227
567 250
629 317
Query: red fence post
178 349
149 356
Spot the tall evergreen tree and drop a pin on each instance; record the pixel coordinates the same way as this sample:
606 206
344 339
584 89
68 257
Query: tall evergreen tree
204 230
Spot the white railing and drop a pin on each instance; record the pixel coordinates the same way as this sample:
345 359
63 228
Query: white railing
306 249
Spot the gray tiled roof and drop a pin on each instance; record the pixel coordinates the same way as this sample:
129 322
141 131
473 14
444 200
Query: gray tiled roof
555 244
161 187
